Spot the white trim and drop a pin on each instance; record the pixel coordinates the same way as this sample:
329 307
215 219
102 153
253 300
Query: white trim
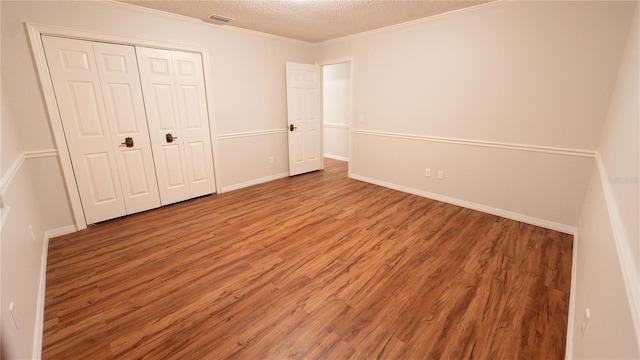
568 351
50 234
208 77
4 214
337 126
35 31
58 31
480 143
39 326
567 229
12 172
156 12
629 273
17 164
251 133
254 182
40 153
37 337
335 61
336 157
427 19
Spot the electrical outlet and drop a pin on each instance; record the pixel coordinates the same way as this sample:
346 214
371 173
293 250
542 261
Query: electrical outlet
585 321
440 174
271 161
427 172
361 117
14 315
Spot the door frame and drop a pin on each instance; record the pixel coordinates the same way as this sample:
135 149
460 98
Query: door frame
350 60
318 101
35 31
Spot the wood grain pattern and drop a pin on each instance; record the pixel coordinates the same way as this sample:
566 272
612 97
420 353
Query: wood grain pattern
311 267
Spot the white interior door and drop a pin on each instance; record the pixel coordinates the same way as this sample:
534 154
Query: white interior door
120 81
173 88
304 114
194 121
158 88
76 83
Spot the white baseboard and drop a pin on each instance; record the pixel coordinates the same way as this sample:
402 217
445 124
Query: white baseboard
37 337
254 182
50 234
568 352
336 157
471 205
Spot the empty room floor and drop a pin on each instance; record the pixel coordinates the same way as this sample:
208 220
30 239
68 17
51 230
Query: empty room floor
316 266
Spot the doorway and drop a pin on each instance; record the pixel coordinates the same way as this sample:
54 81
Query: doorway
337 108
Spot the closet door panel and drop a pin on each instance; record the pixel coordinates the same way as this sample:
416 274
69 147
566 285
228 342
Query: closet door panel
119 78
194 119
76 83
167 140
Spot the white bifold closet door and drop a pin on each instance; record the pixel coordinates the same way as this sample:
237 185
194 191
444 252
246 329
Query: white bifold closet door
100 101
175 98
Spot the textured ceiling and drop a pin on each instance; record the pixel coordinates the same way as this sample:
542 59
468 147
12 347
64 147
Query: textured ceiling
309 20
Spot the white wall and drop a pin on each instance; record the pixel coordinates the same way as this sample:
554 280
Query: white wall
620 150
510 80
607 276
600 287
336 102
20 251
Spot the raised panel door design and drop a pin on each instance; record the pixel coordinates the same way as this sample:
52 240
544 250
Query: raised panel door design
101 178
194 121
159 65
198 161
86 114
304 118
190 111
119 78
136 177
81 106
173 155
122 108
73 60
163 98
160 97
113 63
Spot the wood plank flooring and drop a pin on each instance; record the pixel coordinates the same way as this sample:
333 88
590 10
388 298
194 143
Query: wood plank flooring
316 266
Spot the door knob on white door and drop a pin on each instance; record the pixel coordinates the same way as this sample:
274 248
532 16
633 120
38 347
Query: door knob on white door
128 141
291 127
170 138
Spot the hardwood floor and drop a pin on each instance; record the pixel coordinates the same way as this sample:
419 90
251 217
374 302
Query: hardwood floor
316 266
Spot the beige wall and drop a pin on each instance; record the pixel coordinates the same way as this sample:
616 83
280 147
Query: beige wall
533 74
600 287
620 150
607 278
20 252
